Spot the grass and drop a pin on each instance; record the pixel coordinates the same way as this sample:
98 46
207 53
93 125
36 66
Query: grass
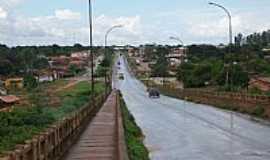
134 136
24 122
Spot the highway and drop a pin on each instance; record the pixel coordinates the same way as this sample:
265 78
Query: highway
180 130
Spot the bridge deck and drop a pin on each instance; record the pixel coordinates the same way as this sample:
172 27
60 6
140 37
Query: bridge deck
98 142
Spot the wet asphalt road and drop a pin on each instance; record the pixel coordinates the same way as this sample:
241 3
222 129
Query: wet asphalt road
180 130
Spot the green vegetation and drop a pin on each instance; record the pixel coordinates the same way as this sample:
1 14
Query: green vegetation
160 69
134 136
259 111
30 82
24 122
106 63
21 124
17 61
212 72
228 67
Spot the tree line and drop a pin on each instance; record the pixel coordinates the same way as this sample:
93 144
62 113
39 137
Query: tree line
23 59
227 66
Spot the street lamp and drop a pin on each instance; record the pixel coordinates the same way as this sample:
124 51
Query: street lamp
230 31
230 43
229 16
105 48
109 31
91 47
177 39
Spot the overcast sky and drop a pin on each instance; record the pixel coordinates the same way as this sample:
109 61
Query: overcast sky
39 22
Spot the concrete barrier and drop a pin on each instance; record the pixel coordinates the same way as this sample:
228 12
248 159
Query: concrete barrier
237 101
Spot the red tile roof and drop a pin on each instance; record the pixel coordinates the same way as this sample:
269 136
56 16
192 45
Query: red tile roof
9 99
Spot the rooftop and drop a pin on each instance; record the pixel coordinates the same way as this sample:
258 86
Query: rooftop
9 99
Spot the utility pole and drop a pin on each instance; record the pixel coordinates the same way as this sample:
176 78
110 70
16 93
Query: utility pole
91 48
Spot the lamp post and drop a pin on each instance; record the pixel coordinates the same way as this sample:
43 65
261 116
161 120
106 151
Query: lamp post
230 43
230 31
230 19
91 47
105 49
177 39
108 32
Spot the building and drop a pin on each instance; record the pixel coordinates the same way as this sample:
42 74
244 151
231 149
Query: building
6 101
266 53
79 64
133 52
14 83
261 83
84 54
176 56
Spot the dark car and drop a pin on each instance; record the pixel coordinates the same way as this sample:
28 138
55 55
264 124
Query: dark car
121 76
153 93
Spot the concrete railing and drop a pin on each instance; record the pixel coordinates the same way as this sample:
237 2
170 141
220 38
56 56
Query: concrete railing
236 101
121 149
256 99
54 142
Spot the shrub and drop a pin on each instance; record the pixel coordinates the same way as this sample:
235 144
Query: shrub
134 136
30 82
258 111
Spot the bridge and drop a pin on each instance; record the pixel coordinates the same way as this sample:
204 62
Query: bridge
173 129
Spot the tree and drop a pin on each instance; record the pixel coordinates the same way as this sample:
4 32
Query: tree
27 58
30 82
41 63
74 69
239 40
160 69
5 67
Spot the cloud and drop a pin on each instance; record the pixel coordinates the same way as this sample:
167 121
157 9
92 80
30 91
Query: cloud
67 14
67 27
216 27
130 24
3 13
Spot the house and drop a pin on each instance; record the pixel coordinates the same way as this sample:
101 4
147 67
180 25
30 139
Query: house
59 61
14 83
78 63
261 83
176 56
80 55
133 52
6 101
266 53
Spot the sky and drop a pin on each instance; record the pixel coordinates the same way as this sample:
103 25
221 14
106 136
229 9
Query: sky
65 22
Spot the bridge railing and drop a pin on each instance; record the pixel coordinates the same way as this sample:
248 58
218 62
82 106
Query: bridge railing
54 142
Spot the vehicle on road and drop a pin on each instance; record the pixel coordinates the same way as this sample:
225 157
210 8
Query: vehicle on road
138 62
153 93
121 76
